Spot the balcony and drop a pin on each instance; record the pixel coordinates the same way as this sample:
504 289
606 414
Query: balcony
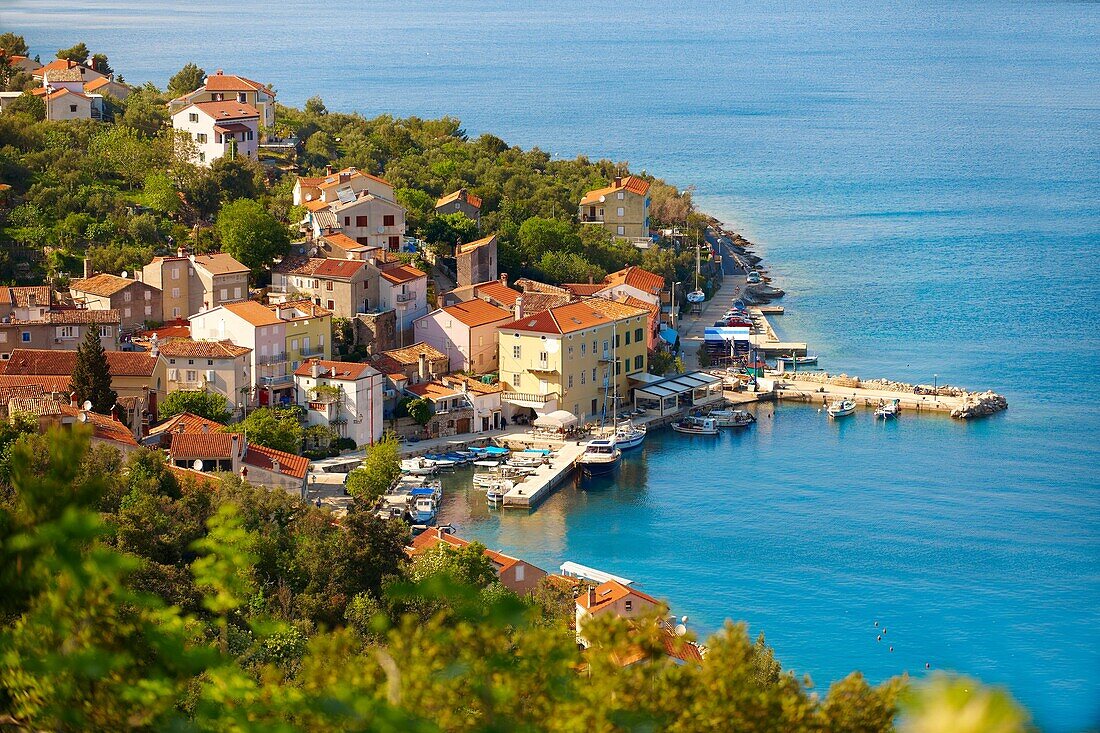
312 351
406 297
606 356
186 386
534 401
277 380
279 358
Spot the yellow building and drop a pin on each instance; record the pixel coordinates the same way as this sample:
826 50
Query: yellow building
565 358
308 331
621 208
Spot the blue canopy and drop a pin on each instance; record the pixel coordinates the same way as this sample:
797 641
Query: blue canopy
669 335
492 450
424 491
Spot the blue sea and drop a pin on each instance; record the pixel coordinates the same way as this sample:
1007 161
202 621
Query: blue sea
922 177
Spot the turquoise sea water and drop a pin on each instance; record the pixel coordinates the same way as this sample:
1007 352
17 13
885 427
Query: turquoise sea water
924 177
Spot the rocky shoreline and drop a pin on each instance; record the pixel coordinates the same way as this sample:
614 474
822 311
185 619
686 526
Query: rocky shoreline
754 294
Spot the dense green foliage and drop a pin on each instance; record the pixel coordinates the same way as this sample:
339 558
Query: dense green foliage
380 468
251 234
91 376
273 427
210 405
139 598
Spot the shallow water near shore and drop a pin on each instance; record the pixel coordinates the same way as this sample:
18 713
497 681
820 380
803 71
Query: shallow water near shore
922 178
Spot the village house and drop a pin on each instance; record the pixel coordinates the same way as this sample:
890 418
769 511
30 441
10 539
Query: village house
414 364
160 436
488 407
612 597
344 396
32 320
221 87
190 284
219 129
566 358
65 104
356 204
627 306
476 261
281 336
495 292
337 245
58 66
460 202
518 576
22 63
221 367
621 208
107 86
138 303
212 452
403 289
342 286
452 408
466 333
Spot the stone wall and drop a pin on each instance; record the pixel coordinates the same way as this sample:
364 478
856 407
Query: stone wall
376 331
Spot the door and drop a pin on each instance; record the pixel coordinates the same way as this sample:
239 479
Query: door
463 425
484 424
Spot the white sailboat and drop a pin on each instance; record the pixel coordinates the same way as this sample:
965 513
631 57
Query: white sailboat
697 295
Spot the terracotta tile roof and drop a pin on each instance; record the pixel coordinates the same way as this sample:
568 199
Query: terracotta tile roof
535 302
310 181
633 184
255 313
410 355
52 383
583 288
186 422
317 205
308 308
471 246
190 446
498 293
186 348
563 319
41 406
185 474
289 464
298 265
81 316
402 274
344 242
59 362
102 284
434 536
637 277
342 370
219 263
99 84
462 193
608 593
615 309
476 312
473 384
103 427
339 269
179 329
652 308
60 65
220 82
346 175
432 390
21 296
227 110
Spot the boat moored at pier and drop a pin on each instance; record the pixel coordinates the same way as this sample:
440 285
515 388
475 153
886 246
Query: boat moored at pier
692 425
600 457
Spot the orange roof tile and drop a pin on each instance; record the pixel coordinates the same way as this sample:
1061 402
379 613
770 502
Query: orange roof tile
228 110
103 426
191 446
317 205
476 312
615 309
432 390
219 263
339 269
344 242
583 288
59 65
471 246
346 175
410 355
255 313
402 274
637 277
497 291
186 422
59 362
186 348
102 284
633 184
21 296
342 370
220 82
567 318
609 592
265 458
178 329
45 382
461 193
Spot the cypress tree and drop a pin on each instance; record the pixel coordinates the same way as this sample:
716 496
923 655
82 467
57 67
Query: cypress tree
91 376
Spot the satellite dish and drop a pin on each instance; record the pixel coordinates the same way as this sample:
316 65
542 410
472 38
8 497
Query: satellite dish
681 629
87 404
197 465
82 417
683 619
381 229
124 274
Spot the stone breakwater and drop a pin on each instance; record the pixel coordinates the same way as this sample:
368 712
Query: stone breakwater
980 405
974 404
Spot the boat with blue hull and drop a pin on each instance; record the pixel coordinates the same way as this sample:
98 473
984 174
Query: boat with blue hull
600 457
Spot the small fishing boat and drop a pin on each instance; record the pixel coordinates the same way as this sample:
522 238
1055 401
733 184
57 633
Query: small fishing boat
600 457
800 360
696 296
496 491
692 425
418 467
425 510
628 435
888 410
528 459
491 451
484 463
841 408
733 418
440 461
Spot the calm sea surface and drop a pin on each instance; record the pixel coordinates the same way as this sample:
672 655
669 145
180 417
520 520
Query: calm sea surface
924 177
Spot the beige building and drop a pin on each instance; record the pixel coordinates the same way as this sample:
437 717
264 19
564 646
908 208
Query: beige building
356 204
460 202
196 283
105 85
477 261
219 130
621 208
212 366
138 303
32 320
221 87
568 358
615 599
343 286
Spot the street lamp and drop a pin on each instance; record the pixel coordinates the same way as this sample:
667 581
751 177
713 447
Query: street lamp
936 383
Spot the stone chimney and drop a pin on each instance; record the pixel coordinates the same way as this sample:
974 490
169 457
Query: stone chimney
87 268
275 465
314 368
180 251
618 181
73 400
422 367
504 279
328 170
591 597
517 310
32 299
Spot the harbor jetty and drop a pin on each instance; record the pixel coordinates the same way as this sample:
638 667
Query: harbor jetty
822 387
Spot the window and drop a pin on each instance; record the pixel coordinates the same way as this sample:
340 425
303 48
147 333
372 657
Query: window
363 240
305 343
191 362
176 312
237 292
618 368
225 293
620 195
594 347
628 338
294 344
621 212
26 337
328 285
582 377
201 137
542 356
621 230
395 242
202 157
127 296
570 352
582 348
192 375
250 136
240 97
148 295
360 221
126 312
639 334
570 381
593 375
148 310
106 332
519 573
387 220
209 362
193 117
638 361
515 351
605 345
171 361
627 604
347 221
331 305
176 276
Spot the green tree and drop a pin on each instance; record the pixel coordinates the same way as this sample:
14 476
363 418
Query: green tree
421 410
29 105
186 80
237 178
77 53
537 236
445 232
125 153
251 234
315 107
13 45
144 111
210 405
273 428
567 267
161 194
467 565
380 468
91 378
100 64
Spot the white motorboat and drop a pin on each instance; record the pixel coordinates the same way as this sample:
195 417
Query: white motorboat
628 435
733 418
425 510
692 425
600 456
842 408
888 410
528 459
486 464
418 467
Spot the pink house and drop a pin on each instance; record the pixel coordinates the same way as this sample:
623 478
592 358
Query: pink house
466 333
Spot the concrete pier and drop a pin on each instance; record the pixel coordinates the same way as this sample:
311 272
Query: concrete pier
768 341
819 393
540 484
